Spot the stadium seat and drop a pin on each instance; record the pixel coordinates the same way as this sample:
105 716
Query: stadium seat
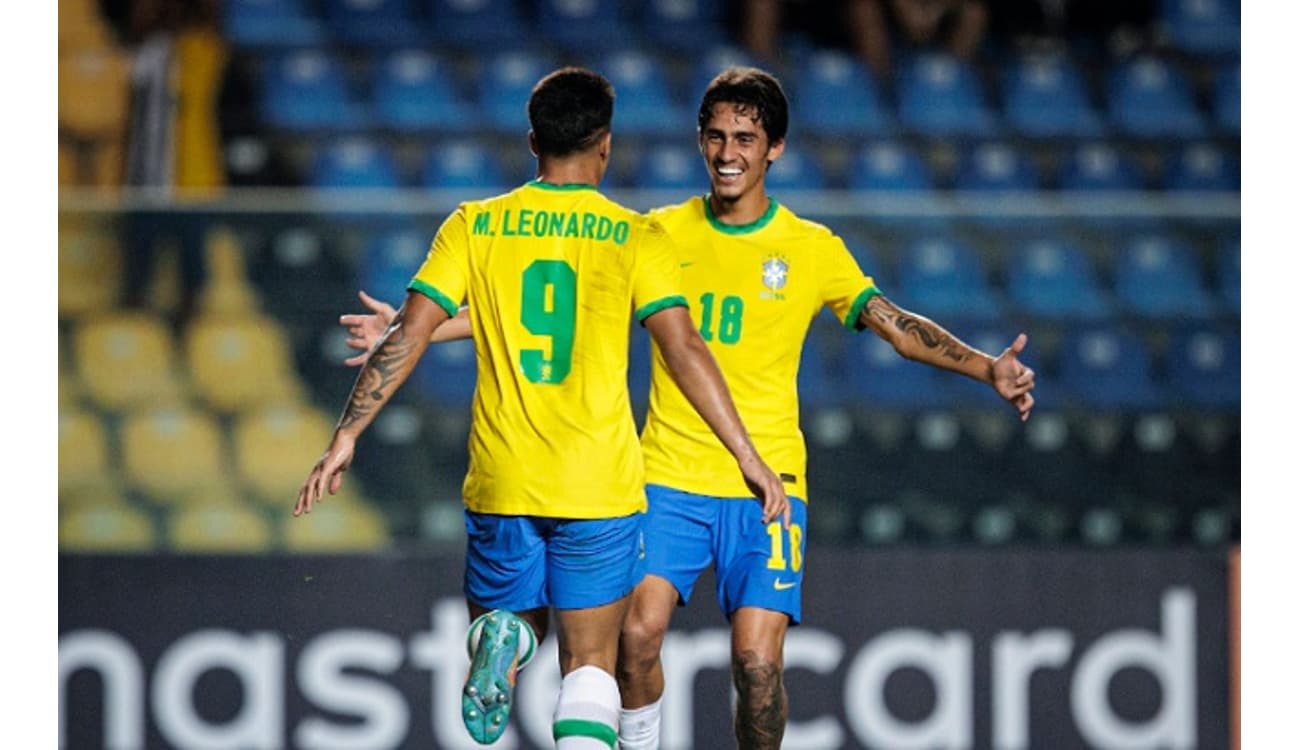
1203 27
883 379
832 93
114 527
275 447
795 170
463 165
1202 166
1158 276
219 527
1151 98
413 90
494 24
939 96
90 270
306 90
373 23
83 449
639 361
506 82
1057 280
670 166
336 526
239 363
583 25
996 166
390 261
354 163
1228 273
93 113
81 27
645 102
272 23
1227 99
1045 96
448 373
947 280
1204 368
169 454
1101 166
1107 368
820 382
126 360
887 166
688 26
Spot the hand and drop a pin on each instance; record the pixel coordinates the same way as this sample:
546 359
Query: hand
1012 379
328 472
365 330
767 486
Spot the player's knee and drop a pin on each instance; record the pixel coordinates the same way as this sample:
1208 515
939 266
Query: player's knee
640 642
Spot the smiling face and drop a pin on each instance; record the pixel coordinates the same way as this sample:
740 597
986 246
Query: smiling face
737 150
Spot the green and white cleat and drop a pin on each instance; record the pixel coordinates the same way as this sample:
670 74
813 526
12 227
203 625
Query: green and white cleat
489 687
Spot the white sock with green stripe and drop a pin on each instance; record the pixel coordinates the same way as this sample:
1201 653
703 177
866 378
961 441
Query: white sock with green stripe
638 728
586 716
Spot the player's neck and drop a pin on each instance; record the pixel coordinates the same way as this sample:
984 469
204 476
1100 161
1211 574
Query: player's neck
744 209
580 170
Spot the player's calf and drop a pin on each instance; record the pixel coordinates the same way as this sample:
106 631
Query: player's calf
761 701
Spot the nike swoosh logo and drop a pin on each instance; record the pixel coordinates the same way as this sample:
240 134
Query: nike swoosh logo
780 585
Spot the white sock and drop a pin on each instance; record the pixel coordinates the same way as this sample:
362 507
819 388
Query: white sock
586 716
638 728
527 638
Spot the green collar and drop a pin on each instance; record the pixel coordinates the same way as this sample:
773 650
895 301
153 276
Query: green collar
566 186
752 226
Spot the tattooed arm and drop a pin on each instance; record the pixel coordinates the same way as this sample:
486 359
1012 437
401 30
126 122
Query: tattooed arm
920 339
394 358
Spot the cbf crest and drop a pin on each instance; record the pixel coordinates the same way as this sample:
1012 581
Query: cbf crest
776 272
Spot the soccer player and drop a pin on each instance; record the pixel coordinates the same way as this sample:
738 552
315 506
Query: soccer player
756 274
555 489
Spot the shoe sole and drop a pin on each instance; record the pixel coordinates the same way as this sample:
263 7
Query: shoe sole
489 690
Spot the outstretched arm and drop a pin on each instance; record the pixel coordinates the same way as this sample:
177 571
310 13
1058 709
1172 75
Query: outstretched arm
364 329
394 358
697 375
922 340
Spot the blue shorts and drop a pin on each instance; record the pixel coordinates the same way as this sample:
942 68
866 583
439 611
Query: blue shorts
757 565
517 563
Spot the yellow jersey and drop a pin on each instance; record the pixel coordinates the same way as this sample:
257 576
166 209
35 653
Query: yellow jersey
551 274
753 292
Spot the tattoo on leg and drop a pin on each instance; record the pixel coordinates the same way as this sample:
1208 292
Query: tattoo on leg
761 709
378 374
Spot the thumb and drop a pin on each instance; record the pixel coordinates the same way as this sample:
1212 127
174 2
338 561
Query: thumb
370 302
1018 345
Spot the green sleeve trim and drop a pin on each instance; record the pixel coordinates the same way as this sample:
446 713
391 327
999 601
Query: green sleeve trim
851 320
429 291
583 728
675 300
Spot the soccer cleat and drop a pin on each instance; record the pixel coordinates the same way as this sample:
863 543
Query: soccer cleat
489 687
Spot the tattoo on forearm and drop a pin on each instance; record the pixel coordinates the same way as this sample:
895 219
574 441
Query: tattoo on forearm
378 374
927 333
761 713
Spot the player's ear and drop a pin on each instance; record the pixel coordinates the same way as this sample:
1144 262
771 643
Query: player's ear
532 142
606 142
775 150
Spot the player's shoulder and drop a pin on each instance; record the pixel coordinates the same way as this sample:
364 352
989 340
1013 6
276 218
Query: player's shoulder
806 228
676 214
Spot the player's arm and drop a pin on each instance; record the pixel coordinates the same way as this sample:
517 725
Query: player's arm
920 339
396 355
697 375
364 329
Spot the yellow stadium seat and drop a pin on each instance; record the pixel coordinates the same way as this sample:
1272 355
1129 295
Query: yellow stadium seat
81 28
94 93
275 449
240 363
90 270
171 453
110 527
126 360
218 527
336 525
227 290
83 449
105 493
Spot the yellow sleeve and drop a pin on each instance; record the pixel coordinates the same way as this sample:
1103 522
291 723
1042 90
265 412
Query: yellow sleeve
444 275
657 282
845 289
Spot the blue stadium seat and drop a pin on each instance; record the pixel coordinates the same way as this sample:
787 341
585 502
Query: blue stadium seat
374 23
1204 367
638 367
415 91
795 170
945 279
1203 27
306 90
390 261
940 96
583 25
1229 273
1055 279
1108 368
882 379
448 373
833 93
1045 96
884 165
820 383
463 164
713 62
683 25
272 23
480 24
1158 276
1202 166
1227 99
645 105
670 167
506 82
996 166
1150 98
354 163
1101 166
